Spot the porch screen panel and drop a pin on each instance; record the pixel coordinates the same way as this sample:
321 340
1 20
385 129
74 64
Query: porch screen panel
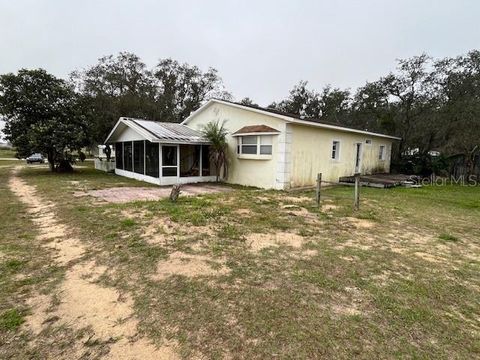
189 160
127 156
207 169
138 157
151 159
169 160
119 155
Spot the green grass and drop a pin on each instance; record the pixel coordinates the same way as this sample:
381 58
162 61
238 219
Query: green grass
448 237
11 320
405 285
7 153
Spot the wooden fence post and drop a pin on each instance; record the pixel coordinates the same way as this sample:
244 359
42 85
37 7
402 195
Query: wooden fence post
356 203
319 186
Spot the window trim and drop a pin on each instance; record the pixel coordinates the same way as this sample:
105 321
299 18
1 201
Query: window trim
337 151
382 154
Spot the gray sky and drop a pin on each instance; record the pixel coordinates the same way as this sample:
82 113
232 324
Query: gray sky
260 48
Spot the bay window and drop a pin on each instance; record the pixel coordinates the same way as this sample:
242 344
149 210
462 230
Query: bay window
254 145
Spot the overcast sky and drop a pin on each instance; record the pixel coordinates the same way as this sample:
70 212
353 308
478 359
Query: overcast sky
260 48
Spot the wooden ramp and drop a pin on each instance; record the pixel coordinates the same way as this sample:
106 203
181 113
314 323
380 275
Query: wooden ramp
379 180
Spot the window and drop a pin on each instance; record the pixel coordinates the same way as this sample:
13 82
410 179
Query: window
336 150
265 145
119 155
381 152
248 145
368 141
151 159
127 156
169 161
138 157
254 145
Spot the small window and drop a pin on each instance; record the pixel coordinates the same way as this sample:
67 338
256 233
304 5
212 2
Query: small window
368 141
381 152
335 150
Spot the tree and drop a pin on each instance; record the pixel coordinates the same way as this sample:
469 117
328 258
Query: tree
182 88
217 136
248 102
458 82
116 86
371 110
122 85
412 97
300 101
43 115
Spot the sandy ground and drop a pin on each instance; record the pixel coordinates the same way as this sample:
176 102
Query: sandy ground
83 302
127 194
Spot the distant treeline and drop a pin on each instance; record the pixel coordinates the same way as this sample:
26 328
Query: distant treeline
433 105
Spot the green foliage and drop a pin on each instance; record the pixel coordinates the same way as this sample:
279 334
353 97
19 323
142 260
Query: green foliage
217 135
11 319
43 115
122 85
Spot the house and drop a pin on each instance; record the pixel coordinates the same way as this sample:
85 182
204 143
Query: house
267 148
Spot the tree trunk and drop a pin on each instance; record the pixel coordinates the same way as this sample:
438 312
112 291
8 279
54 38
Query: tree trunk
64 166
51 160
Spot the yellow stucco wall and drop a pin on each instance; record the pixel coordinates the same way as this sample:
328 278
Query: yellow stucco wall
259 173
311 151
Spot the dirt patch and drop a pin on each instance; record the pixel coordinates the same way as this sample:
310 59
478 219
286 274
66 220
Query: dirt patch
329 207
349 304
36 320
189 265
295 199
243 212
83 302
259 241
360 223
127 194
163 231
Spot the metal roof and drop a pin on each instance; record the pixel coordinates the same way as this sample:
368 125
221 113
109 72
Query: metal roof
163 131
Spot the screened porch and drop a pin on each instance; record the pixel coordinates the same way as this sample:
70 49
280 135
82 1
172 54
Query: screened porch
164 164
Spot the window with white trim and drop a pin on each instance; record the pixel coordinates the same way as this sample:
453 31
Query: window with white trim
254 145
381 152
335 150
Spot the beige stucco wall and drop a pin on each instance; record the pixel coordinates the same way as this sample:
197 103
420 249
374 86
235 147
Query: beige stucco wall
311 151
259 173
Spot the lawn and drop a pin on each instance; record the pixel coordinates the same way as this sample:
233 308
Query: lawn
7 153
253 274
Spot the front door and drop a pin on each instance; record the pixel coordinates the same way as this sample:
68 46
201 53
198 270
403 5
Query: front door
358 158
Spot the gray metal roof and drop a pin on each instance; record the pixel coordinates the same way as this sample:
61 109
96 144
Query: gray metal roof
169 132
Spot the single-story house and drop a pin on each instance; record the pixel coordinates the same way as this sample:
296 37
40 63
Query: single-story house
267 148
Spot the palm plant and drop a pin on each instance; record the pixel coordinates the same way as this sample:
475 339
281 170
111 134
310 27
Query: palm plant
216 134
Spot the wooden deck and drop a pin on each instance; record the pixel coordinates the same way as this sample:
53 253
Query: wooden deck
379 180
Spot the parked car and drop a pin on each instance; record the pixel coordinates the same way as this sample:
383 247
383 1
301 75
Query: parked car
35 158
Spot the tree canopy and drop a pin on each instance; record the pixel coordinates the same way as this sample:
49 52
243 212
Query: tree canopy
122 85
431 104
43 115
